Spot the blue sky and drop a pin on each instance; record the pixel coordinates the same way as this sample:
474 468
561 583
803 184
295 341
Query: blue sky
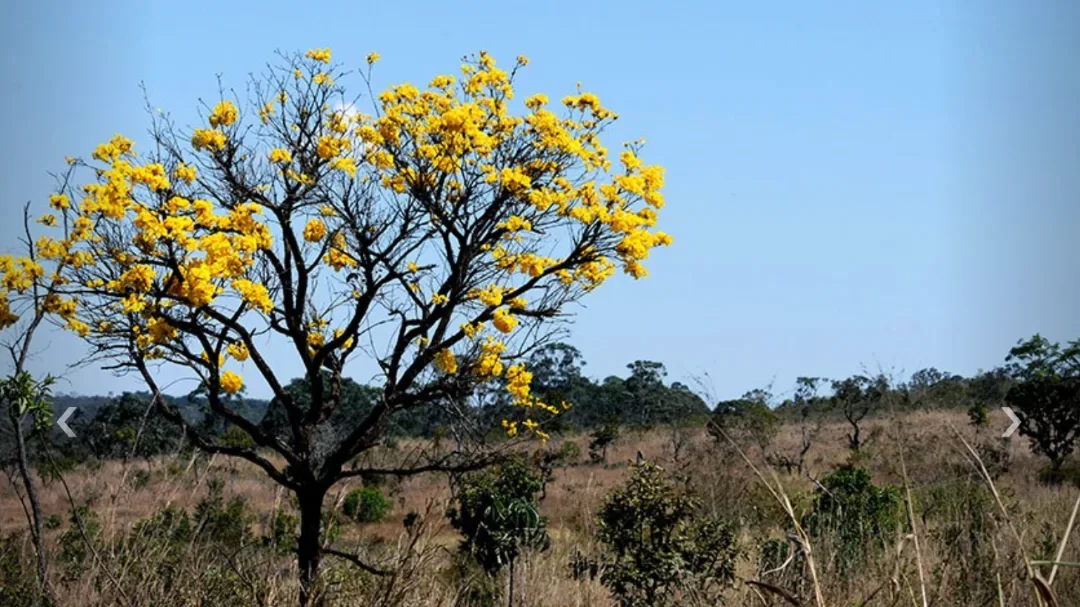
849 183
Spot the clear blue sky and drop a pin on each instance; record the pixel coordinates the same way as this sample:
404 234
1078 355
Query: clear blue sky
849 183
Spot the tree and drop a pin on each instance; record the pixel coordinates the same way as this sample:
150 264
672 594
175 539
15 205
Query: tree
647 391
805 400
856 397
496 514
439 240
746 420
656 540
602 438
1046 397
25 303
126 426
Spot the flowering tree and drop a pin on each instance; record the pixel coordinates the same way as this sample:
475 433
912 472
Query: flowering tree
441 238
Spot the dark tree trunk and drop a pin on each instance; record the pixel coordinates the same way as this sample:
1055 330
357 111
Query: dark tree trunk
35 505
309 546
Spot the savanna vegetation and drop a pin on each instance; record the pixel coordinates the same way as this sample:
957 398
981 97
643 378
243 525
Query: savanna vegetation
442 240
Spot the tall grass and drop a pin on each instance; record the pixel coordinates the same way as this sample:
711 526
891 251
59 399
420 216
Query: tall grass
971 534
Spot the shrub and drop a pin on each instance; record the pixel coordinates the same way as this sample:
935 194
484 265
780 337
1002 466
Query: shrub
283 531
18 586
602 438
748 420
218 521
657 542
854 512
366 505
496 514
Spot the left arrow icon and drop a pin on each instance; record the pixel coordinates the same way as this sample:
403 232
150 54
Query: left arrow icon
62 422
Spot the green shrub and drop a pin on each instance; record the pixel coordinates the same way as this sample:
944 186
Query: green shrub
657 542
366 505
141 479
283 531
218 521
496 513
18 584
602 438
854 512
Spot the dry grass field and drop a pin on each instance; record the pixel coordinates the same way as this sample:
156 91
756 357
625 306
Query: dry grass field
968 553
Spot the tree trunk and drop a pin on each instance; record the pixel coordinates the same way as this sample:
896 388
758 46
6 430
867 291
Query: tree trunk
309 546
35 505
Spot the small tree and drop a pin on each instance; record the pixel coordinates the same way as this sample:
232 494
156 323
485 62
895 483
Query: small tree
657 542
858 396
496 513
602 438
27 298
857 514
1046 397
438 239
749 419
365 505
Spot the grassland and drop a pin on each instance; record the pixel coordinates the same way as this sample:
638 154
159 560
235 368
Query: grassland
968 553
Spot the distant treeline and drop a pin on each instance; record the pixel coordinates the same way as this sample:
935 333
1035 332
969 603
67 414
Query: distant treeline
107 426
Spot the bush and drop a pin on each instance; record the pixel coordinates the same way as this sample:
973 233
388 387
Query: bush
657 541
854 512
496 513
18 586
747 421
283 531
602 438
366 505
218 521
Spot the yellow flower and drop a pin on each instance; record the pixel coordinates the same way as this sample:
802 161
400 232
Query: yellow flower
372 57
231 383
504 320
315 230
439 299
518 381
446 362
133 304
315 339
255 294
238 351
471 329
319 54
345 345
160 330
536 101
59 201
47 219
139 278
207 139
511 427
280 156
224 114
323 78
413 268
345 165
491 296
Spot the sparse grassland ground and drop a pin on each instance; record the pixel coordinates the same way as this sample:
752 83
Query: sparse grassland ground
968 554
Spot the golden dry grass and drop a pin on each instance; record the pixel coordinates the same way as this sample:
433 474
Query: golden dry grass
933 456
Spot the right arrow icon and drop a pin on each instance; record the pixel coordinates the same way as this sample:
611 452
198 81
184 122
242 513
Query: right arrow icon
1015 422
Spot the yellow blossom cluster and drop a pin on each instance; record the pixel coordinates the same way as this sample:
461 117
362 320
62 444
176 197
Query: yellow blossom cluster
446 362
231 383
